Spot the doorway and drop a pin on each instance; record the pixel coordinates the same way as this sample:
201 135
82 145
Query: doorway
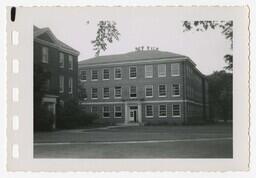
133 114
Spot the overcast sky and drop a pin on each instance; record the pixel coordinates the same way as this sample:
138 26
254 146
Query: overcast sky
159 27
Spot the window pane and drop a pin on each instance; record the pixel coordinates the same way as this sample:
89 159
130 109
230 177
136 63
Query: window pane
61 62
106 92
94 93
175 69
161 70
61 83
118 92
162 110
176 110
118 74
149 110
118 111
83 75
94 75
133 72
162 90
70 62
45 55
148 71
133 91
149 91
70 85
105 74
106 111
176 90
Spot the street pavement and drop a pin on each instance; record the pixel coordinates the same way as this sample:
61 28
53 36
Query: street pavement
206 141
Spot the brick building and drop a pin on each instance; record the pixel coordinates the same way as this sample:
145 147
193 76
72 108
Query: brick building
149 86
60 60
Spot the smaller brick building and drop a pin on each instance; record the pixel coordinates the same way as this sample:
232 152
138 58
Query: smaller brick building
60 60
149 86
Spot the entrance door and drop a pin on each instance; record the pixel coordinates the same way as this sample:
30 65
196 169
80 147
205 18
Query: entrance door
133 115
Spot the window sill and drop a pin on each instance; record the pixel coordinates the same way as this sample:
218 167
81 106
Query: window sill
105 79
164 117
117 78
94 80
132 78
149 117
162 96
149 96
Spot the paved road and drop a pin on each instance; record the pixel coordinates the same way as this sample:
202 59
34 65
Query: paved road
137 142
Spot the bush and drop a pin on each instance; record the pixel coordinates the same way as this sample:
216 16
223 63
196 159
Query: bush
43 119
72 116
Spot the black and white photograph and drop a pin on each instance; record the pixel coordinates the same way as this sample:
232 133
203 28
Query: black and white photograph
131 88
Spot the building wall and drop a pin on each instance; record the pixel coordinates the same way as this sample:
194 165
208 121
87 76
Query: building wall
53 67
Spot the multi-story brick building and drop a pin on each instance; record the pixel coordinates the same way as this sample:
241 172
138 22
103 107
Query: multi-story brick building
147 86
60 60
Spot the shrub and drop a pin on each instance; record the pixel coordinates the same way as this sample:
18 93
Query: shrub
43 119
72 116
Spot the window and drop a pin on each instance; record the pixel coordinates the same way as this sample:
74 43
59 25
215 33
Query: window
61 83
94 75
148 71
61 61
149 111
118 111
162 110
70 62
149 91
176 110
105 74
161 70
162 90
175 69
94 93
106 93
133 92
106 111
118 92
118 73
70 85
133 72
45 54
175 90
83 75
47 85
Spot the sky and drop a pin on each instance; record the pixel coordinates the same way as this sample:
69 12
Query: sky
158 27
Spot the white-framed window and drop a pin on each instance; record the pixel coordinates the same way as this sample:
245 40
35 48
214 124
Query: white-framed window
175 69
106 93
106 111
94 75
175 90
162 110
149 91
105 74
94 93
83 76
61 84
148 71
118 92
132 72
70 62
118 111
70 85
149 111
45 54
117 73
162 91
133 92
176 110
61 60
161 70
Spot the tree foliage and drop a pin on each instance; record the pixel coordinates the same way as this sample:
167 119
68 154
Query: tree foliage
226 28
220 95
106 33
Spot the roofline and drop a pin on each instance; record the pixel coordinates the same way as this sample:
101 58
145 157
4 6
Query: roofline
183 58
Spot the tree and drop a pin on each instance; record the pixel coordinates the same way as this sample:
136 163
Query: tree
106 33
220 95
226 28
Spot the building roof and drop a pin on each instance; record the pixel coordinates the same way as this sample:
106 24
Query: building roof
39 31
133 56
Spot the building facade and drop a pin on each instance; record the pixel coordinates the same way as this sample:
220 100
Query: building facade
61 62
142 87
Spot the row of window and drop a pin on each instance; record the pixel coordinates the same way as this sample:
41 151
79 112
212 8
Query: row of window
45 58
61 84
175 71
162 91
149 111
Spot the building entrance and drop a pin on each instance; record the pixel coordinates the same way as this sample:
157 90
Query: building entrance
133 114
